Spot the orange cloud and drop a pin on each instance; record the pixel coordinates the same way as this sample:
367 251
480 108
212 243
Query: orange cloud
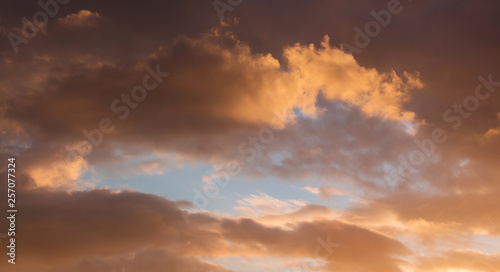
81 19
79 226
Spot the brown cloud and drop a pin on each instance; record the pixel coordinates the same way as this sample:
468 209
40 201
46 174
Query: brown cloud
474 213
358 114
91 229
83 18
214 88
156 260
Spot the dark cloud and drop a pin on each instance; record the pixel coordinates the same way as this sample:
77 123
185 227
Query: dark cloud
96 229
341 118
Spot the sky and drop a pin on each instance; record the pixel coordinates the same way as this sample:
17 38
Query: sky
238 135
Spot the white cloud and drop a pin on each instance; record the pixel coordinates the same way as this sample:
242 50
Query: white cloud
325 191
263 204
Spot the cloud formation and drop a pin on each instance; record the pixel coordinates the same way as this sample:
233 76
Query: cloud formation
79 226
340 123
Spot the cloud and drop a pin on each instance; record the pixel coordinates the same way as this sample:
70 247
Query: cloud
342 119
100 229
153 260
235 91
340 77
318 148
307 213
325 191
473 213
263 204
297 242
82 19
492 132
460 260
